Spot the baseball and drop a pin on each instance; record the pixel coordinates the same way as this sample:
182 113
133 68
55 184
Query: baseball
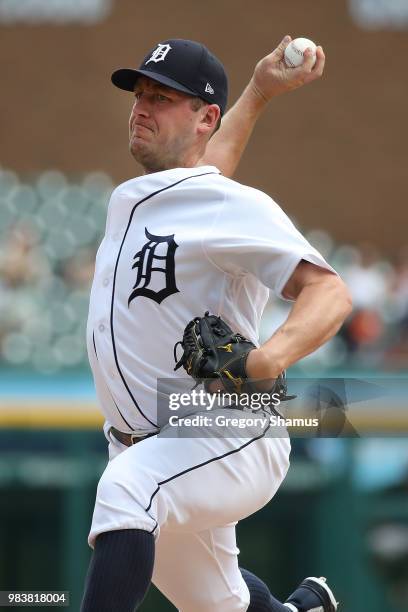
295 49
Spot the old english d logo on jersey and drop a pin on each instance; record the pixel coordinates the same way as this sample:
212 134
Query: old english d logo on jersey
148 269
159 54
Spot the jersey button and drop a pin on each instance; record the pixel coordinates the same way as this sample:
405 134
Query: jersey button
105 282
101 327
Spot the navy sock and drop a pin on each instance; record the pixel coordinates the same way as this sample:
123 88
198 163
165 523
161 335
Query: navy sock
261 598
120 571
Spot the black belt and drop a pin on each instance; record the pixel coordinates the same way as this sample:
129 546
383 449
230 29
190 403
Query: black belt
128 439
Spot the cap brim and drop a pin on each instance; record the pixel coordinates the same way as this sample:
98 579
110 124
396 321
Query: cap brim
125 78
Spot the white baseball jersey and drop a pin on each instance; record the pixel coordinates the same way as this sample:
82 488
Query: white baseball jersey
178 243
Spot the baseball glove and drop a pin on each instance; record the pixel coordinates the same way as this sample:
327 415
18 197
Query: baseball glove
211 350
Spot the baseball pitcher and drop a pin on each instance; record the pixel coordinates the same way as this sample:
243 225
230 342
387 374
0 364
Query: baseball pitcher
189 258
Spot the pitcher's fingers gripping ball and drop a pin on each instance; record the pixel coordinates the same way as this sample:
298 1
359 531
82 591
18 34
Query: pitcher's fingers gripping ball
295 52
274 76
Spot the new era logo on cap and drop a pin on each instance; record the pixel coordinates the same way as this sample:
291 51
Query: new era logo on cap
185 65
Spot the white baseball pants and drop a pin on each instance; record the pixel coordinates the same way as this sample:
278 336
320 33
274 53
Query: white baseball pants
190 493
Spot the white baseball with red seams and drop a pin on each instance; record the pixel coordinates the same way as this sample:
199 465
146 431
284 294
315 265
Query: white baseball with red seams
177 243
294 51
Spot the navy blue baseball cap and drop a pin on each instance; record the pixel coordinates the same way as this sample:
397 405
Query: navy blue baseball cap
184 65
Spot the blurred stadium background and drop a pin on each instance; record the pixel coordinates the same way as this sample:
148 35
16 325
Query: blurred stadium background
332 154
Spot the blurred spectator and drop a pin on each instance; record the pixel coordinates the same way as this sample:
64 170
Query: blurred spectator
20 263
400 288
368 280
369 286
21 266
397 355
78 270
